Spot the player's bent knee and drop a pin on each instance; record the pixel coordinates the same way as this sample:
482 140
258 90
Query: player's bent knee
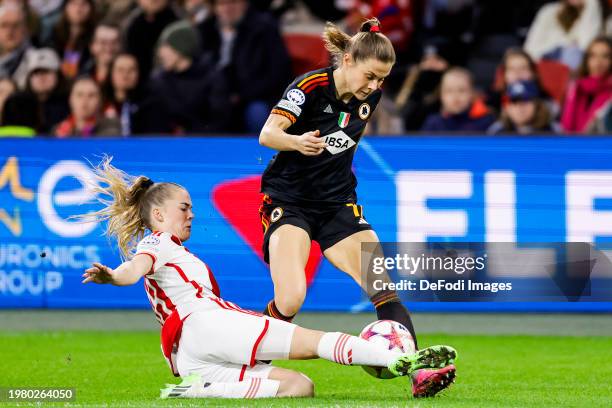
296 385
305 386
290 301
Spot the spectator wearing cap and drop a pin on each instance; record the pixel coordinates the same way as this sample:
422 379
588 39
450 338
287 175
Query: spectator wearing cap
142 31
248 46
72 35
44 97
461 110
14 43
517 65
104 47
85 119
591 90
193 92
525 112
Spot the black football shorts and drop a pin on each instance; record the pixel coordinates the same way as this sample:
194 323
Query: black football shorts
327 225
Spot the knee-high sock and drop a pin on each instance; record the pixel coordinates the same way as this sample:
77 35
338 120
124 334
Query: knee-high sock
272 311
344 349
249 388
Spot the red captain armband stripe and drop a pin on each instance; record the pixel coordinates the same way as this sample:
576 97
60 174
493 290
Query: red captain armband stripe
152 258
285 114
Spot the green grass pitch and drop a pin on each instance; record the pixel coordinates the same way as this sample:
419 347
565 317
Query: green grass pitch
125 369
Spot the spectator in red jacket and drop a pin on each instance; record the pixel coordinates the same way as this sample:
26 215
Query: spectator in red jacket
592 89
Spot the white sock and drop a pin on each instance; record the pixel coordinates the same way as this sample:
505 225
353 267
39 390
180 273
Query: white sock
350 350
249 388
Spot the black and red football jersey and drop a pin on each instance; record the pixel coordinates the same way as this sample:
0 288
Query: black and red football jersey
310 103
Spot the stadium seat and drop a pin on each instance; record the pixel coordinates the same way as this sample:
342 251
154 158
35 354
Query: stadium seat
554 77
307 52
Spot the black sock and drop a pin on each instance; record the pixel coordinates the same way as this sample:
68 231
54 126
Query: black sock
272 311
389 307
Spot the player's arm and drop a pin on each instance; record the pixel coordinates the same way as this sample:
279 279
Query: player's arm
274 136
125 274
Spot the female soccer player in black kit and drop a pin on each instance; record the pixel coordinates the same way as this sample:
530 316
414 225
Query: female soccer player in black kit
309 186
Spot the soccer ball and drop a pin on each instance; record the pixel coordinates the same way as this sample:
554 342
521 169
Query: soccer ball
392 336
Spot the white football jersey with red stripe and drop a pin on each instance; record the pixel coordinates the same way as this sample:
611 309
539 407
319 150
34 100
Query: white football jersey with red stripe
178 280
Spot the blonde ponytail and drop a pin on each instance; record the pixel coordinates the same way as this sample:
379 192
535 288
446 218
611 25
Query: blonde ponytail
127 201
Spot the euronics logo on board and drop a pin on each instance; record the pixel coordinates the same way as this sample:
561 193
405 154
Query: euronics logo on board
23 271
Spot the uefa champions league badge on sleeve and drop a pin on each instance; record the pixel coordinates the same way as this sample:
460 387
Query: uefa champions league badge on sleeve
296 96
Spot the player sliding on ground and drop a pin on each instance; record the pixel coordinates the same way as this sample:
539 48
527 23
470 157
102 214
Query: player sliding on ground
211 343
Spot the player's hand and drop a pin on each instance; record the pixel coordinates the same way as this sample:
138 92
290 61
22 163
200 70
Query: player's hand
98 273
310 144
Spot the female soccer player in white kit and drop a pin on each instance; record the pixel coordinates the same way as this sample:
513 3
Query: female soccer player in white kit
210 342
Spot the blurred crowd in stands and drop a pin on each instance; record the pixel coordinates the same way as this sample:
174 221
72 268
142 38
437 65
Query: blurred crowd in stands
86 68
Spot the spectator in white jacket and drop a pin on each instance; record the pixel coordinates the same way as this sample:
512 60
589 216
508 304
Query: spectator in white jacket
562 30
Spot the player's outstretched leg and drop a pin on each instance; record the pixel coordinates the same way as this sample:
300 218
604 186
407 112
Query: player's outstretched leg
345 349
